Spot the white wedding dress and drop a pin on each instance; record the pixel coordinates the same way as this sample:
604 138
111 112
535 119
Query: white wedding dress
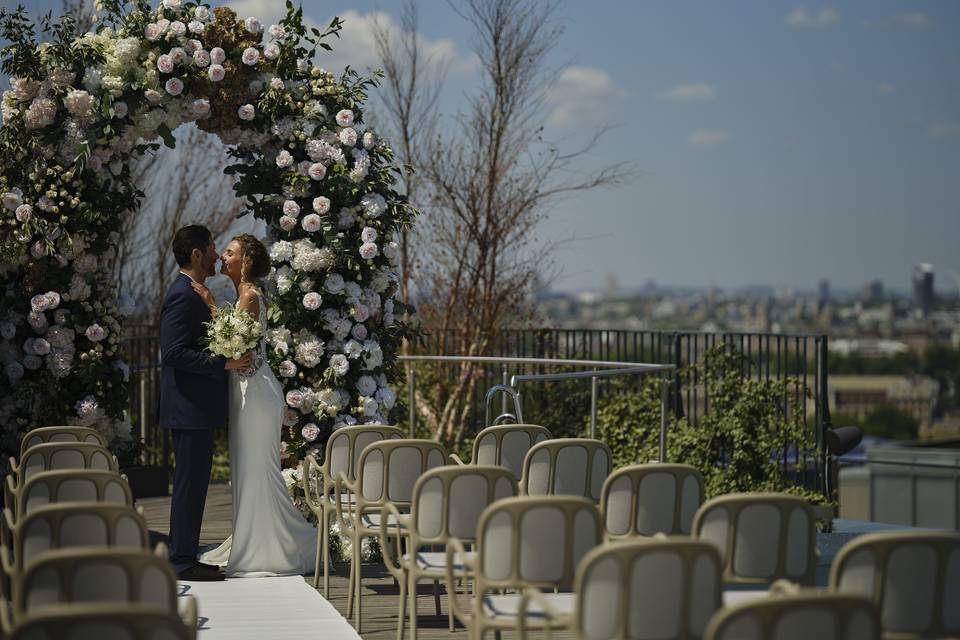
270 536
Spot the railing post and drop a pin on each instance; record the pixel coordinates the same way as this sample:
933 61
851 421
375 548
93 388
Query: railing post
504 379
593 407
143 409
823 404
411 401
664 396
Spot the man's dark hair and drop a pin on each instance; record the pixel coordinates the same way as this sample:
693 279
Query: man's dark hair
187 239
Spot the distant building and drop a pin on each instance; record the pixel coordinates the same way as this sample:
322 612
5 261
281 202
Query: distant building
923 296
873 292
859 395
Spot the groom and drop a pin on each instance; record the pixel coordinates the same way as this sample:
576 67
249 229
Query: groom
193 397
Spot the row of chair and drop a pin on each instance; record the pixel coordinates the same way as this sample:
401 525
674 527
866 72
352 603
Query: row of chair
75 551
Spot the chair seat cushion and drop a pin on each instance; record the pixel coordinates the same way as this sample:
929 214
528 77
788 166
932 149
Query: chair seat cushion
507 606
371 520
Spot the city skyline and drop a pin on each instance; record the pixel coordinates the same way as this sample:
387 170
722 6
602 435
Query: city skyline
780 145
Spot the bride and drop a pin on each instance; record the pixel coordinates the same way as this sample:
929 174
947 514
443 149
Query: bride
270 537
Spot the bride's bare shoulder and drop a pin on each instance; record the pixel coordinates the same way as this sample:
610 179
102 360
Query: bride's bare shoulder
249 300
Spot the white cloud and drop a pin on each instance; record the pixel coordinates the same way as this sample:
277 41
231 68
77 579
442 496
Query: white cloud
583 95
356 45
799 18
943 129
696 92
909 21
885 88
708 137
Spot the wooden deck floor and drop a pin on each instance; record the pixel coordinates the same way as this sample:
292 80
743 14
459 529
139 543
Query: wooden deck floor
380 594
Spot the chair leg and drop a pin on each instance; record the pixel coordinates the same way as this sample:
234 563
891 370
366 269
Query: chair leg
436 596
402 619
326 557
319 556
413 608
359 582
353 576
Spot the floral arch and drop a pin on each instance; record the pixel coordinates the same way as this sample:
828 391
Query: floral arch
83 105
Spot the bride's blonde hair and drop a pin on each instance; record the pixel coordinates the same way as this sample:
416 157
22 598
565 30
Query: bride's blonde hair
254 259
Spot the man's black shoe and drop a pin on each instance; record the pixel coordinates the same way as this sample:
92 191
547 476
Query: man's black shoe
211 567
198 573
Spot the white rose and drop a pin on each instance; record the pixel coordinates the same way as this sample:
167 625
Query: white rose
317 171
120 109
271 51
95 333
195 26
386 397
24 212
217 55
178 28
174 86
178 55
172 4
291 208
253 25
366 385
312 301
369 250
250 56
345 118
294 398
277 31
287 223
215 72
339 364
321 204
201 13
370 406
284 159
311 223
246 112
201 58
369 234
334 283
310 432
287 369
152 32
348 136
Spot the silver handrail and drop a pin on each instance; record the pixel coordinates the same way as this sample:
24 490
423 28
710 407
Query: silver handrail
616 369
511 391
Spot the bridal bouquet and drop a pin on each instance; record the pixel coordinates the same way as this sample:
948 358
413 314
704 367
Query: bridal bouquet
232 332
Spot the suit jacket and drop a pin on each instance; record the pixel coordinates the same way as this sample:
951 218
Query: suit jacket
193 382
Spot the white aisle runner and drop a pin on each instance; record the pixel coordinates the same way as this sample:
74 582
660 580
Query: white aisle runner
265 608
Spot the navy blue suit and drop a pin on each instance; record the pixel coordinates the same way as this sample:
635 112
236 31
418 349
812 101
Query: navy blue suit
193 402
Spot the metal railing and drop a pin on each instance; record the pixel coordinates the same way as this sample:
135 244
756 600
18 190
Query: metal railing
513 388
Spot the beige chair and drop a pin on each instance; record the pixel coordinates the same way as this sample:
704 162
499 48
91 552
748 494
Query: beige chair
341 454
60 434
824 616
912 577
71 485
386 473
53 456
762 537
566 466
72 524
107 621
645 499
639 589
65 576
447 502
506 445
522 543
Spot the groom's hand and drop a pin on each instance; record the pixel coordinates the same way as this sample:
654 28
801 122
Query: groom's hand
242 362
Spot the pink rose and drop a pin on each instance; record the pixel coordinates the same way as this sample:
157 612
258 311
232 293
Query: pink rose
310 432
95 333
201 58
216 72
348 137
152 32
359 331
178 54
24 212
271 51
217 55
368 250
317 171
284 159
165 64
288 369
246 112
369 234
178 28
291 208
287 223
295 398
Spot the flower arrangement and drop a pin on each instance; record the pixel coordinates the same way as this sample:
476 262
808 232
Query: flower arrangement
82 106
232 332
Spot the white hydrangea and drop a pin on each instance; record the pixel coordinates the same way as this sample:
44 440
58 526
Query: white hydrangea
281 251
373 204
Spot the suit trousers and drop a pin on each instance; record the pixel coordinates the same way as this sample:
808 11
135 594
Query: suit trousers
193 452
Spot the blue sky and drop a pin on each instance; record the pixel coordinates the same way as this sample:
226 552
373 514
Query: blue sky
776 143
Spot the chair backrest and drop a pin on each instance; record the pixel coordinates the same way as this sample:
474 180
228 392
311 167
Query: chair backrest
762 537
566 466
72 485
77 524
447 501
52 456
134 576
113 622
643 589
507 445
534 541
60 434
824 616
388 470
646 499
347 443
912 577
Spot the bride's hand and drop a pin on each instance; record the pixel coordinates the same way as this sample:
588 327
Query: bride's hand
204 293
